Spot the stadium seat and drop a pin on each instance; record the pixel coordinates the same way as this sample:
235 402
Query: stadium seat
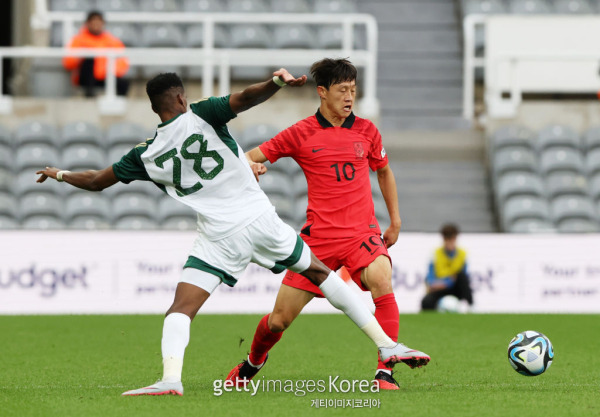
284 206
300 187
159 6
134 188
276 183
594 187
43 222
70 5
169 208
531 226
293 36
557 135
25 182
5 137
161 36
300 206
285 165
561 183
512 136
203 6
257 134
8 205
89 222
514 159
35 132
136 223
482 7
8 223
81 133
179 223
334 6
518 208
194 37
578 226
117 5
528 7
592 162
35 204
81 157
36 156
519 183
381 211
6 180
561 159
250 36
126 133
48 78
115 153
592 138
289 6
573 7
133 205
330 37
126 32
6 157
87 204
572 207
248 6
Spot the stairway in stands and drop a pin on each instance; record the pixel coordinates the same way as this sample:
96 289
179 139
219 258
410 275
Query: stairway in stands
420 63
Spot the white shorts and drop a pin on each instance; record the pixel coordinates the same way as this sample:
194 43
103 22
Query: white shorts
267 241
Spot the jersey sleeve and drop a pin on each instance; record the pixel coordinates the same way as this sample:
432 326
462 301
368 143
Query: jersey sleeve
131 167
377 156
284 144
215 110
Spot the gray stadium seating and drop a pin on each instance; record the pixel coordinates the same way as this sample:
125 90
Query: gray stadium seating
528 7
514 159
161 36
36 204
531 226
285 165
159 6
81 132
169 209
6 180
87 204
5 136
126 32
277 183
300 206
8 205
248 6
125 133
256 134
299 185
558 135
561 159
117 5
8 223
572 207
592 162
43 222
482 7
573 7
179 223
594 186
70 5
203 6
561 183
194 37
25 182
334 6
35 132
519 183
136 223
284 206
578 226
6 159
518 208
592 138
134 188
511 136
133 205
116 152
293 36
80 157
289 6
250 36
36 156
89 222
47 76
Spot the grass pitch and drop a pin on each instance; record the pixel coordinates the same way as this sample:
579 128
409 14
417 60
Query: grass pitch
79 366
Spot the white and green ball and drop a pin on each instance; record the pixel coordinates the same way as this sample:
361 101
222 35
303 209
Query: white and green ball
530 353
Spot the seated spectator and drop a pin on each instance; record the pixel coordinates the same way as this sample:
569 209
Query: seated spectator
448 273
90 73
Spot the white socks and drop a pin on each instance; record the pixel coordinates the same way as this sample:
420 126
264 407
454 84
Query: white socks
343 298
176 336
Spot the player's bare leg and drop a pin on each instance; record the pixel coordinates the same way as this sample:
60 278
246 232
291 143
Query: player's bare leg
176 335
288 305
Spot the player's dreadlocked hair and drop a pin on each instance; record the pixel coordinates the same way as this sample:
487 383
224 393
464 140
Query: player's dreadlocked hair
332 71
158 89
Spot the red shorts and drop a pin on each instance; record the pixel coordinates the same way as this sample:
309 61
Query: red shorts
355 253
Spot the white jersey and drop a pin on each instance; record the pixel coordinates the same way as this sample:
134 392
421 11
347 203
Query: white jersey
194 159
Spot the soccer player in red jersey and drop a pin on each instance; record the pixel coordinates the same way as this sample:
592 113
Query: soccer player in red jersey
335 149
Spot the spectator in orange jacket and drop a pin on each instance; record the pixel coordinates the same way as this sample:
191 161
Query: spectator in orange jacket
90 73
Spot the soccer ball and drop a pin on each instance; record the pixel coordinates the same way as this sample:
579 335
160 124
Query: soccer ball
448 304
530 353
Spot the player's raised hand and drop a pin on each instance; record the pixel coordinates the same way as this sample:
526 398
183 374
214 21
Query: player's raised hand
257 169
289 79
48 172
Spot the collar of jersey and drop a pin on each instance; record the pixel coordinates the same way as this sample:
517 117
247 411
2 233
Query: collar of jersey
163 124
348 123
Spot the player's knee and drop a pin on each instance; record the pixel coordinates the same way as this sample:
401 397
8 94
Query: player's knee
278 323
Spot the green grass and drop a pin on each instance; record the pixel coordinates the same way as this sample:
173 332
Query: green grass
79 365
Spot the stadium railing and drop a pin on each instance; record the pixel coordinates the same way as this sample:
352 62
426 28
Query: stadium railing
210 57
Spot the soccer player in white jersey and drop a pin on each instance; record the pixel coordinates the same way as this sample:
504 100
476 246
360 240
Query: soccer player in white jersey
194 159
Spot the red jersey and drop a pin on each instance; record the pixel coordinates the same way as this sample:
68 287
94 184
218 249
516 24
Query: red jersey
336 162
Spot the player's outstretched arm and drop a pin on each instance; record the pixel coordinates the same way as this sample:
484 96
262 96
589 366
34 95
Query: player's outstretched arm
87 180
387 184
260 92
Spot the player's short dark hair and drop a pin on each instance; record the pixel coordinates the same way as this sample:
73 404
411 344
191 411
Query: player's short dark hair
449 231
327 72
158 87
92 14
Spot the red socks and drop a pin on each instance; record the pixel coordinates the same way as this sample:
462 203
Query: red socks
264 340
388 317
